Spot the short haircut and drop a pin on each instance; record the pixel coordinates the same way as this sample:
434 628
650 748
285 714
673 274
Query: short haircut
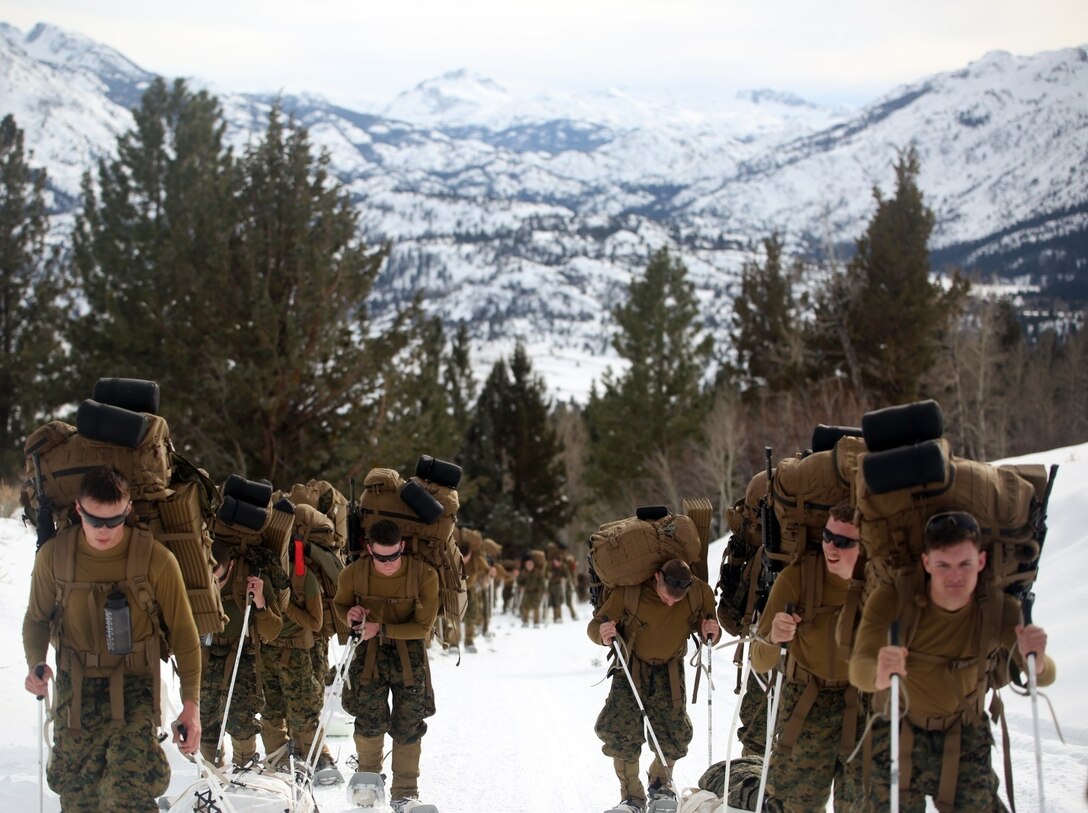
384 532
844 511
949 528
677 578
104 484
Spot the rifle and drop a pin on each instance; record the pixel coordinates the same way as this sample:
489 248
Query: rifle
767 572
355 525
47 528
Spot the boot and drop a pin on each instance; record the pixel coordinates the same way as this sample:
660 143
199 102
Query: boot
369 750
207 751
405 770
659 778
630 784
274 736
245 750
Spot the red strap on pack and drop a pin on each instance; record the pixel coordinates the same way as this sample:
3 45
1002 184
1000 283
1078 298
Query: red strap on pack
300 565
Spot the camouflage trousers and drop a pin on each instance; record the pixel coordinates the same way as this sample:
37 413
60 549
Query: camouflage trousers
472 615
246 702
105 768
369 700
976 786
619 725
530 602
744 778
555 600
800 780
292 695
752 732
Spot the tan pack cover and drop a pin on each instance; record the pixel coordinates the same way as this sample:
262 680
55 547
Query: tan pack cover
471 537
1001 498
492 548
311 525
178 522
631 550
66 456
804 490
434 543
326 498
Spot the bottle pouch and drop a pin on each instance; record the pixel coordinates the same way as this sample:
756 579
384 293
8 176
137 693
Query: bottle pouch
118 624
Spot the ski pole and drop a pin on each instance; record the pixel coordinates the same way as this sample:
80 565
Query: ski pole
39 670
642 708
772 718
710 704
893 640
234 675
743 679
1033 690
330 702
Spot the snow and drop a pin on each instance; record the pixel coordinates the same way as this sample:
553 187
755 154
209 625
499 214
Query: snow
514 728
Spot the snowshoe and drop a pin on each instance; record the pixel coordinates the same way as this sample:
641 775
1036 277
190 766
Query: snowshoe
327 774
366 789
662 805
629 805
411 806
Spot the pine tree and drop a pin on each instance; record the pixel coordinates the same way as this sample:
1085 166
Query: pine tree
896 315
657 404
513 455
241 286
29 315
766 336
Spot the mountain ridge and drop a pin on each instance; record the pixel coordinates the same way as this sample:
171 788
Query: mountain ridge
525 218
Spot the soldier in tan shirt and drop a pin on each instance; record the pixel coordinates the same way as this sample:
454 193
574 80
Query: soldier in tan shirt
945 667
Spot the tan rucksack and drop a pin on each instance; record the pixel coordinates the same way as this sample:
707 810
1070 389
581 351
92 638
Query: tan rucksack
171 497
425 511
326 498
629 551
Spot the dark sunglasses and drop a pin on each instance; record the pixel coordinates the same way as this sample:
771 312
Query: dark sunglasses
677 584
839 541
103 522
386 557
952 525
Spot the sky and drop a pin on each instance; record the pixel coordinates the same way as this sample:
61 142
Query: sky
363 53
514 727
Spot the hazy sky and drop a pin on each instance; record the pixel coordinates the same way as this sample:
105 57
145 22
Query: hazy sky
841 51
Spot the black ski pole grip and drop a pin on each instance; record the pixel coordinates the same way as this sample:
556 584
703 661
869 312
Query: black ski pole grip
180 730
39 670
893 633
1026 603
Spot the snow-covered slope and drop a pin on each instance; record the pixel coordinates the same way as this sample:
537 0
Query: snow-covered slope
524 216
514 728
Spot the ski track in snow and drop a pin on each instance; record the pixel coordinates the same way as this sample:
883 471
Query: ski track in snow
514 727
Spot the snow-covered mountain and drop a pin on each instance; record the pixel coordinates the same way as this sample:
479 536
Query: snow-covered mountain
524 216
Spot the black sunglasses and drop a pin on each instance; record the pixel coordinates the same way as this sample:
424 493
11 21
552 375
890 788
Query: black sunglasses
952 525
839 541
103 522
677 584
385 557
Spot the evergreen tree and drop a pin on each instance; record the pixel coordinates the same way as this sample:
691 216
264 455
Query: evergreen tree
28 291
895 315
297 364
657 404
241 286
151 249
514 457
766 337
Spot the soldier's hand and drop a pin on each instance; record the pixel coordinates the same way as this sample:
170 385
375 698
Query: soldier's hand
255 587
784 627
710 629
890 660
369 630
37 684
608 632
189 723
1031 640
356 614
